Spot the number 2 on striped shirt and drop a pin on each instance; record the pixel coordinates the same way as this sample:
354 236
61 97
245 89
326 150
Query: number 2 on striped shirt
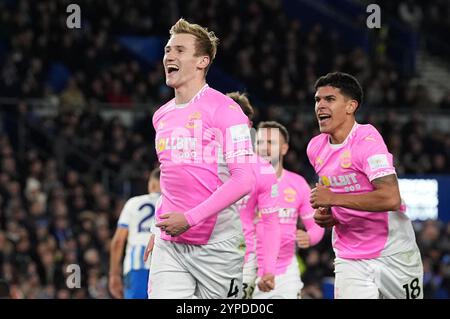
151 209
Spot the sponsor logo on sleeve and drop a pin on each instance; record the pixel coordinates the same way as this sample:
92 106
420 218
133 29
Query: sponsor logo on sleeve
378 161
240 133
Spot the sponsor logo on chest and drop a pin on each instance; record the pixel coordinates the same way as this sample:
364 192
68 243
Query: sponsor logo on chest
176 143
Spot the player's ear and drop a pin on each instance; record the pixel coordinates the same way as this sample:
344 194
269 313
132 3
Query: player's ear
284 148
351 106
203 62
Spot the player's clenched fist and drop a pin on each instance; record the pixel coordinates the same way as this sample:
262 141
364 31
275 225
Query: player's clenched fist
173 224
267 282
324 218
321 196
302 238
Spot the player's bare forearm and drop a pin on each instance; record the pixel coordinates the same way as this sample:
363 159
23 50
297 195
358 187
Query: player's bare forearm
116 251
115 278
385 197
149 248
114 264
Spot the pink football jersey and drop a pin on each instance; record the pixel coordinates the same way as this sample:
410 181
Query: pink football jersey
194 142
349 168
262 203
293 202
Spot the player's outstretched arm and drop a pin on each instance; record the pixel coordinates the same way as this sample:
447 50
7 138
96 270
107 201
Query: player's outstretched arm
385 197
270 240
238 185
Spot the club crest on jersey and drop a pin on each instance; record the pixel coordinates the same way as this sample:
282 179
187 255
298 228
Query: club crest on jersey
192 118
161 125
289 195
346 159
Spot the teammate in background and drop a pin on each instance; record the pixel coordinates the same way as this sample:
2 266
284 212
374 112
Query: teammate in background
134 226
203 144
293 202
373 239
260 203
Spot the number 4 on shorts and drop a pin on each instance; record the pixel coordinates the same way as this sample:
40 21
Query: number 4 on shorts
234 289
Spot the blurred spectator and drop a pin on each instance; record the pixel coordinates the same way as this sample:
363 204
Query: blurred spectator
445 102
411 13
423 100
72 99
415 160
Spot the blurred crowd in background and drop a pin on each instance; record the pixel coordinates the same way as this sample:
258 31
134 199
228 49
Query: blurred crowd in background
65 175
260 46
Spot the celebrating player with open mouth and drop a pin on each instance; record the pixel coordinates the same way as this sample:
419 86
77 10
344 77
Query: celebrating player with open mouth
202 143
374 242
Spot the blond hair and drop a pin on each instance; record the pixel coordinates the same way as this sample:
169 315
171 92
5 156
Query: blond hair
244 103
206 41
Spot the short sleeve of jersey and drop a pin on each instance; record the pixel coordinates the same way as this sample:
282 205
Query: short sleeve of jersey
233 125
375 159
310 152
125 215
304 208
268 194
